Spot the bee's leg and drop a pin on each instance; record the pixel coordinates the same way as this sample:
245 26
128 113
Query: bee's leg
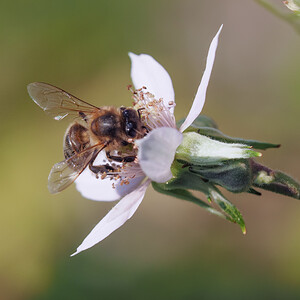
139 111
146 129
101 168
129 158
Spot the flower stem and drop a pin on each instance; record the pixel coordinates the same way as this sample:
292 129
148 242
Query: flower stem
292 19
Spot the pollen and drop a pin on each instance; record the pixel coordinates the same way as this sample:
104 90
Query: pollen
103 175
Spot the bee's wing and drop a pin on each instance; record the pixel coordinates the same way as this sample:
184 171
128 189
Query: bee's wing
61 176
57 102
65 172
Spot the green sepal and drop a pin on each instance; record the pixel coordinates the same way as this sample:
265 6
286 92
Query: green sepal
188 180
228 207
186 195
233 175
219 136
184 180
200 121
254 192
206 126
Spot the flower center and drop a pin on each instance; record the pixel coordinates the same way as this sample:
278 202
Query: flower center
154 113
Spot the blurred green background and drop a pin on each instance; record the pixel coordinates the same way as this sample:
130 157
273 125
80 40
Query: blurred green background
170 249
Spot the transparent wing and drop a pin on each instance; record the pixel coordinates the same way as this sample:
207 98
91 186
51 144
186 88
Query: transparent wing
61 176
65 172
57 102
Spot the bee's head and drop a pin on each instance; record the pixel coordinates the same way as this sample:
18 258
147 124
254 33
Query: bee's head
131 121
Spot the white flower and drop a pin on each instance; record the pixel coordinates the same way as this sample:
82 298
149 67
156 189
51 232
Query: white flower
155 94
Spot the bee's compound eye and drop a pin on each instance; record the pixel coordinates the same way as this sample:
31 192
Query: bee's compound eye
129 114
126 113
131 129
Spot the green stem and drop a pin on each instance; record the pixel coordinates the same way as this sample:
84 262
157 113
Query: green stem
292 19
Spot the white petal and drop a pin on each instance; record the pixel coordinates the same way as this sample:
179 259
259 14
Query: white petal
156 153
115 218
101 189
146 71
201 93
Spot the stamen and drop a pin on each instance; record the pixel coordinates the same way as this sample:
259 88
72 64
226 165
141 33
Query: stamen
154 113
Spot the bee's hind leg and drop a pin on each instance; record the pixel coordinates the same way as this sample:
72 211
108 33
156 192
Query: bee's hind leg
100 169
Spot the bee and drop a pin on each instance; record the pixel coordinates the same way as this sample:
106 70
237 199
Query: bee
92 130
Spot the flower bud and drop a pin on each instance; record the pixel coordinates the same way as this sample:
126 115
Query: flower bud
197 149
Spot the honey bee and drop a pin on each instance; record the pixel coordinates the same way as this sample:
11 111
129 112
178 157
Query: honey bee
93 129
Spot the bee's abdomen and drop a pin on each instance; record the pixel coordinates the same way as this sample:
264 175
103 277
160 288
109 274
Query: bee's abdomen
76 140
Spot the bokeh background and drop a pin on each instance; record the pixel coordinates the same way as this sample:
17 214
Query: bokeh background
170 249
